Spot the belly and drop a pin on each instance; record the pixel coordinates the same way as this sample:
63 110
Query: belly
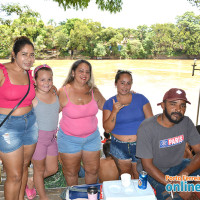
126 138
17 112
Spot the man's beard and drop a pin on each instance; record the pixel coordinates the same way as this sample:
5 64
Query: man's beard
170 118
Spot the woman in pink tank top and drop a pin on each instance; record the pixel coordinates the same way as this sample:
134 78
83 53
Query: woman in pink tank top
78 135
19 133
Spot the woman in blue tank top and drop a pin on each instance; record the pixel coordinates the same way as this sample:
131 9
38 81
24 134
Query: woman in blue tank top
122 116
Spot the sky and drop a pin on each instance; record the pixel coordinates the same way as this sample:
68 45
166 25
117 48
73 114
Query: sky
133 14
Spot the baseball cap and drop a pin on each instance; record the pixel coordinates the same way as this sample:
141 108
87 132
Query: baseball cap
175 94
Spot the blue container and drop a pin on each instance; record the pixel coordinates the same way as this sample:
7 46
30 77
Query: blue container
79 191
142 182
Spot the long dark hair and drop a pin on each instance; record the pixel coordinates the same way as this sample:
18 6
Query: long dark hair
19 43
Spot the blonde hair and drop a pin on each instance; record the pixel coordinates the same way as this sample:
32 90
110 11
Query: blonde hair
70 77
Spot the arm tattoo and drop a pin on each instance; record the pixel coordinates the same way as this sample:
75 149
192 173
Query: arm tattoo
113 119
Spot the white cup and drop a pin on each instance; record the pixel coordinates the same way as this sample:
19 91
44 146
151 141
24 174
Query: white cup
126 179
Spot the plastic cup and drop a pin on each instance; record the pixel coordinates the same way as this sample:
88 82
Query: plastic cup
126 179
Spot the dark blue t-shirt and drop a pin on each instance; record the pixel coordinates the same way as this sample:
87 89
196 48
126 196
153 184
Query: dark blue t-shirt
129 117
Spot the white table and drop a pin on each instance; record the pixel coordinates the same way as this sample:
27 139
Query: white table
113 190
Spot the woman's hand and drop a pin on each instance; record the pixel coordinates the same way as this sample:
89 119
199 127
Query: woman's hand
117 106
54 90
109 118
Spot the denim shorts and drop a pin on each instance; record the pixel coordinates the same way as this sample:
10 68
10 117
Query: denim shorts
123 150
71 144
18 131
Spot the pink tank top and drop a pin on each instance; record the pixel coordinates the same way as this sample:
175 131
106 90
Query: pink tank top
79 120
10 95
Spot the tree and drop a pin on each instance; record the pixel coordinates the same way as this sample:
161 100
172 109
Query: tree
126 33
15 8
164 38
124 52
100 50
84 36
95 28
6 40
61 40
189 33
195 2
27 22
135 49
142 32
112 6
111 38
79 36
69 25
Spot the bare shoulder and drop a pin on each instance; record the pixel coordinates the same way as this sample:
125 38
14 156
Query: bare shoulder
1 70
99 98
1 73
96 90
8 66
62 96
2 78
61 92
63 89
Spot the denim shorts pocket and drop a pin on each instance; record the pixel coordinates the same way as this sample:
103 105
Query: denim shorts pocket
6 123
60 134
9 123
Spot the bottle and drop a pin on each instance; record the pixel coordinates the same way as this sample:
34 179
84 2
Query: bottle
92 193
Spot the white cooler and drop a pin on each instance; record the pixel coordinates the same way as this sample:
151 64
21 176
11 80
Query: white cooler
113 190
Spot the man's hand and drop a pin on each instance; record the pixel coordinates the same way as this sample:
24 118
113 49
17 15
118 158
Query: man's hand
185 195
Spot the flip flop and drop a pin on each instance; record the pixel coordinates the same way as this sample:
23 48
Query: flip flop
30 193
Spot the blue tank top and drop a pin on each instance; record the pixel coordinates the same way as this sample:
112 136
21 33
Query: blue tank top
47 115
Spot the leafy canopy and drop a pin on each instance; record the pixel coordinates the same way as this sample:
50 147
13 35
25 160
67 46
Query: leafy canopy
195 2
112 6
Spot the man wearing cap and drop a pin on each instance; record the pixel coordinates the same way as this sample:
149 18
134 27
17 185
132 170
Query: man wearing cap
161 144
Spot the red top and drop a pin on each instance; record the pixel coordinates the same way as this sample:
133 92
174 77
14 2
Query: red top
10 95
